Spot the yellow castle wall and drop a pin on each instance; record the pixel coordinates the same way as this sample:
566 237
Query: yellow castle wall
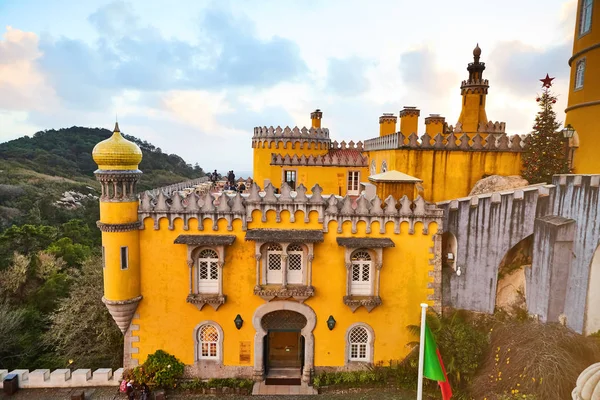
447 174
167 322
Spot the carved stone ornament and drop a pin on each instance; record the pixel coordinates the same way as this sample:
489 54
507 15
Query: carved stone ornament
369 302
202 299
299 293
132 226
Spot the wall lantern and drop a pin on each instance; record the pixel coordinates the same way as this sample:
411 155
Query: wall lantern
238 321
458 271
568 131
331 323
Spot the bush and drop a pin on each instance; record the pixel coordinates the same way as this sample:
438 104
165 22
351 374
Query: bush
160 369
532 359
198 384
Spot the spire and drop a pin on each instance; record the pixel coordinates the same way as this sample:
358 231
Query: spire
116 127
476 54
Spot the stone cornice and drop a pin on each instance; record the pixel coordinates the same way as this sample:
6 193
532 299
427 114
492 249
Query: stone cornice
202 299
132 226
582 52
586 104
368 302
299 293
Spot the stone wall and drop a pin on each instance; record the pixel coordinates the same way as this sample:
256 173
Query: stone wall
64 378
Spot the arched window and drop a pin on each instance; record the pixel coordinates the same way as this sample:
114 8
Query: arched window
579 74
274 263
384 166
295 264
208 342
359 341
208 271
360 283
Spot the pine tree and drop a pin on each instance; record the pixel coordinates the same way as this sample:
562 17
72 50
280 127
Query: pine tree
545 154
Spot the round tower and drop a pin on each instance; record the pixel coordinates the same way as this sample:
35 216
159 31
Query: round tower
584 89
474 92
118 173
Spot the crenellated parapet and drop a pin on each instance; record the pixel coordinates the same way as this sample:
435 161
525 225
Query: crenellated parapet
64 378
478 86
328 208
327 160
451 142
269 137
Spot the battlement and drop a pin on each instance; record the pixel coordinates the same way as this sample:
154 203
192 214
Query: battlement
327 160
474 82
328 208
263 132
517 194
64 378
181 185
448 142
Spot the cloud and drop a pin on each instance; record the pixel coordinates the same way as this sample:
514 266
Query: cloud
346 77
516 67
419 72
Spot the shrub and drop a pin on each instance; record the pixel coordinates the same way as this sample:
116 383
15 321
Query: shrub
160 369
532 359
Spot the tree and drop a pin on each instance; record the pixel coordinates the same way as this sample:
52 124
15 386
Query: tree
83 333
545 153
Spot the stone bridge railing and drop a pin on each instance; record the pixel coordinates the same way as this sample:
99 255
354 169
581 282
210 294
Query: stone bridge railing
64 378
181 185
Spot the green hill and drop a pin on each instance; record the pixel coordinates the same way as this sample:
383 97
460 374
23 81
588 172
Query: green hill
67 153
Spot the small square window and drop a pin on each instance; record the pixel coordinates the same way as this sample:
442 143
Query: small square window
124 257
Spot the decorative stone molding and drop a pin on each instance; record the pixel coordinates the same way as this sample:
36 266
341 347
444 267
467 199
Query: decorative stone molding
214 362
132 226
410 112
202 299
118 186
451 142
388 118
306 332
368 302
370 344
122 311
329 208
327 160
299 293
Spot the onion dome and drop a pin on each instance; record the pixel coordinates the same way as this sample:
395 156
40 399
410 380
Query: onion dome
117 153
477 51
588 384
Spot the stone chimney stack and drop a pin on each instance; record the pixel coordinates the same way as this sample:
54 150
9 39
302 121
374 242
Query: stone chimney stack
409 120
387 124
316 116
435 124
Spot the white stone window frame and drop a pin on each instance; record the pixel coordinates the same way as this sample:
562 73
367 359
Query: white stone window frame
370 345
586 14
353 185
580 74
375 272
193 254
218 360
261 257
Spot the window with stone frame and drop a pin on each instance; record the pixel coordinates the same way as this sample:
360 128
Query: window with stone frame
295 267
208 271
209 342
274 262
585 17
359 343
579 74
361 278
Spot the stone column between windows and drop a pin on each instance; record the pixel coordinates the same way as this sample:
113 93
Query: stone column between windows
220 264
257 257
284 268
311 257
190 264
348 277
378 266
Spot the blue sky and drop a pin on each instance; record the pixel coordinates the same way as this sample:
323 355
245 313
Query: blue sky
195 77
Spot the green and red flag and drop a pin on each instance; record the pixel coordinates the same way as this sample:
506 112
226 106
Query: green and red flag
433 366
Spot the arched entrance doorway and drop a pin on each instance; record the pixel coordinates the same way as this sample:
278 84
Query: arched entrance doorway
284 339
511 283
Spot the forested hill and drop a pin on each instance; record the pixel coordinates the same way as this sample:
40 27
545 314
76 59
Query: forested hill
68 153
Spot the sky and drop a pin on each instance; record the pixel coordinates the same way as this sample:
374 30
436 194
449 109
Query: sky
195 77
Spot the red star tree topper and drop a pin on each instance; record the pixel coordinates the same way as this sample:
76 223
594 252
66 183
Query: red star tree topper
545 154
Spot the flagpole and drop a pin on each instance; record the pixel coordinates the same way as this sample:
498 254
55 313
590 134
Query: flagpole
421 351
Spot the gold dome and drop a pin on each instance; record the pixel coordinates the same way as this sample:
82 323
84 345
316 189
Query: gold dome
117 153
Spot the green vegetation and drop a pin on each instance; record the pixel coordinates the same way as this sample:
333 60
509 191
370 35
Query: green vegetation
160 369
50 268
196 385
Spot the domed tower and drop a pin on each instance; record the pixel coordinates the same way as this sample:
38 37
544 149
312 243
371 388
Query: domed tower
118 173
584 89
474 91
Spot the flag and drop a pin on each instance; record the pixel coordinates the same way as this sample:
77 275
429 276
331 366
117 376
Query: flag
433 367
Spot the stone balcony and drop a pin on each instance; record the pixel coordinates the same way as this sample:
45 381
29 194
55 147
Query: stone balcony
298 292
369 302
201 299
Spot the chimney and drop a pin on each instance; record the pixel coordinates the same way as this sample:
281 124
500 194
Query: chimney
409 120
435 124
387 124
316 116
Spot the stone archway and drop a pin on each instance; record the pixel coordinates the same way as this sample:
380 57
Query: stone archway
306 332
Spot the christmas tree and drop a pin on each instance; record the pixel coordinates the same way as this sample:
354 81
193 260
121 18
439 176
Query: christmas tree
545 154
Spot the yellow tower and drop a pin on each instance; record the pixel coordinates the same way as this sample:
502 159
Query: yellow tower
474 91
584 89
118 173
